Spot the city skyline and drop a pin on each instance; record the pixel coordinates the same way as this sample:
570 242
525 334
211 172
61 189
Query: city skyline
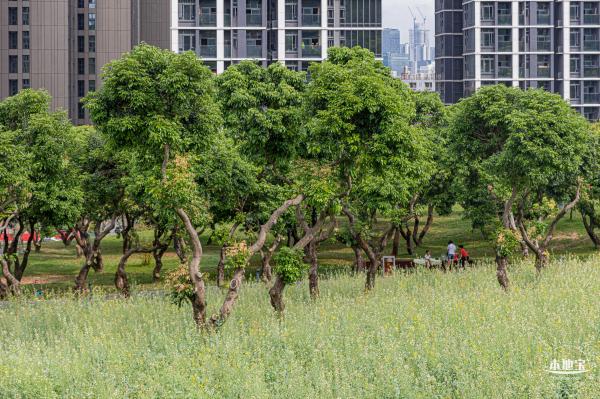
396 14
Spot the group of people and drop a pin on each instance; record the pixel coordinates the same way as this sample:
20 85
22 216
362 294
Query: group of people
454 256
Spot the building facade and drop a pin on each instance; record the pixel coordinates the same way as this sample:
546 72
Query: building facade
553 45
295 32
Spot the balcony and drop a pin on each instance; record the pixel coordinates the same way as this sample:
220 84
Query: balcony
207 51
504 72
543 72
591 19
254 51
591 72
253 19
543 19
591 45
311 51
575 73
504 46
207 19
591 98
544 45
311 20
504 20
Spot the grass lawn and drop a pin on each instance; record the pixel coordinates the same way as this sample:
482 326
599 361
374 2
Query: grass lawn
55 267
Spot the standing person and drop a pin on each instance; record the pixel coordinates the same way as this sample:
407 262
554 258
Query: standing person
464 256
428 263
451 251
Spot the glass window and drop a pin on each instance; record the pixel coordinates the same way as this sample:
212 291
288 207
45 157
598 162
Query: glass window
13 64
487 64
13 40
26 39
13 87
80 111
574 64
92 43
80 44
92 4
487 38
291 10
26 84
187 40
187 10
81 88
92 85
25 15
13 18
92 21
80 66
291 41
25 63
92 66
487 11
80 22
80 3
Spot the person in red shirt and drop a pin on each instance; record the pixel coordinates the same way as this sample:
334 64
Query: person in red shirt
464 256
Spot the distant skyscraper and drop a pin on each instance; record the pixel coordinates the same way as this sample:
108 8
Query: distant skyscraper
419 45
391 41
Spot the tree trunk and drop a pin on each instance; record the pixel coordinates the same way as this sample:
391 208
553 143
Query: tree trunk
199 298
501 273
276 294
180 247
407 235
92 251
541 259
121 280
230 298
78 251
266 256
158 253
37 241
396 242
221 267
590 229
21 265
427 226
313 273
358 259
126 233
13 284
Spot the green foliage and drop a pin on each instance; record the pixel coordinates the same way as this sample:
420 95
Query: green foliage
179 284
289 265
506 242
237 256
508 139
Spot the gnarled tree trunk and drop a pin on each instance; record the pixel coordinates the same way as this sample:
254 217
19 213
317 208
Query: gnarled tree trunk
359 262
590 228
91 250
501 272
276 294
265 257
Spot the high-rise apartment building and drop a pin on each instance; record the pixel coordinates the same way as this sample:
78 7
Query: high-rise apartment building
62 45
295 32
554 45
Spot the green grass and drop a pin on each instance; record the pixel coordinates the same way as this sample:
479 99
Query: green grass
425 334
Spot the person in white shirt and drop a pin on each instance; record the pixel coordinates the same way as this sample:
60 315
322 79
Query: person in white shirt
428 262
451 251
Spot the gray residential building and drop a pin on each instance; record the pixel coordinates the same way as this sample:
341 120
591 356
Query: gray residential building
553 45
295 32
62 45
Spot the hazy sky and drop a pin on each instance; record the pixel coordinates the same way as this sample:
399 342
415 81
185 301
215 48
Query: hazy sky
397 15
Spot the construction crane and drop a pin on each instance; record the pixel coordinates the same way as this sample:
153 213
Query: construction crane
424 17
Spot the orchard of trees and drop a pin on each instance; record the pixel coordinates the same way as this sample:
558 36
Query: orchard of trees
290 161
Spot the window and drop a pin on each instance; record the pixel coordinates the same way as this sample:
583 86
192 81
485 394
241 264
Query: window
187 10
487 11
92 44
26 84
92 4
80 44
575 91
13 64
81 88
487 64
80 66
574 64
92 66
80 22
13 18
80 3
92 85
26 40
13 87
574 12
291 41
25 15
487 38
187 40
80 111
92 21
291 10
26 63
13 40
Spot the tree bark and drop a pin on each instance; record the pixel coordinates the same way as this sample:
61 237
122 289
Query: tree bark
396 242
179 246
358 259
37 240
91 251
501 272
126 233
313 272
121 280
428 223
276 294
13 284
590 226
230 298
266 256
21 265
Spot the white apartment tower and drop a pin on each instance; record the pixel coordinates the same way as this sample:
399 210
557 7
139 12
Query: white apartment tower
295 32
554 45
